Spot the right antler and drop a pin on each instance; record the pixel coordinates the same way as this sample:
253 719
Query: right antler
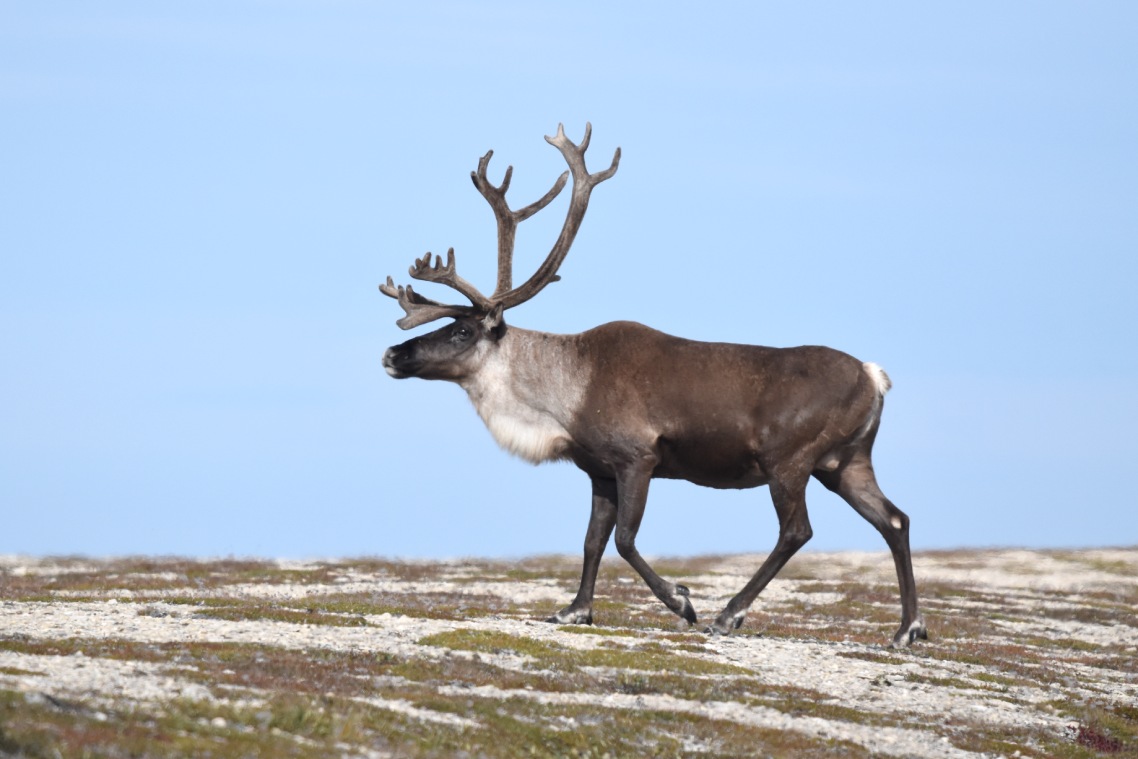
421 310
583 184
508 220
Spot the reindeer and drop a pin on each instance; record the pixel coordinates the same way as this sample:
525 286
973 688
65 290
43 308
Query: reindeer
627 404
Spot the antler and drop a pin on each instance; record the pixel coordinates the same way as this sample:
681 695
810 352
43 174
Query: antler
446 275
583 184
508 220
421 310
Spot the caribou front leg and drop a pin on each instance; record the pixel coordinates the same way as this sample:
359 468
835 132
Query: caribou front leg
632 495
601 522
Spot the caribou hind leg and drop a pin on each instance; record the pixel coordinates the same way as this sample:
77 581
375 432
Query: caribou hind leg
793 532
855 482
601 523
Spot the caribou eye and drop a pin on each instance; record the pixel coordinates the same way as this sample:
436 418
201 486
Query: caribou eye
462 332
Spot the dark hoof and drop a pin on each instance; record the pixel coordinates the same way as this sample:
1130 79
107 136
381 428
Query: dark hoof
725 626
570 617
688 612
906 636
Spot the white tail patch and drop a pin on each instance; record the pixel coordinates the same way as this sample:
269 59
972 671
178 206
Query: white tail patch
880 379
881 384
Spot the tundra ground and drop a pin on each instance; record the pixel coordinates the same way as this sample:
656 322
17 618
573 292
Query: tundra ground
1031 653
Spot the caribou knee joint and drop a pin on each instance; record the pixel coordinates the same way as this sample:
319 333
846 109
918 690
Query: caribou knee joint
625 544
796 537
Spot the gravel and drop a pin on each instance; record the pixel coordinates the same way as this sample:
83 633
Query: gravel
1021 595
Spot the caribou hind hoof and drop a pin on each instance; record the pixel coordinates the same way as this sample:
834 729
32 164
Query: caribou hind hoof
570 617
725 626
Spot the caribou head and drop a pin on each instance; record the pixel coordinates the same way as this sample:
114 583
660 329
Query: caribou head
456 350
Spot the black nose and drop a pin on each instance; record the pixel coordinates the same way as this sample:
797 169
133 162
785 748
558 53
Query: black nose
394 361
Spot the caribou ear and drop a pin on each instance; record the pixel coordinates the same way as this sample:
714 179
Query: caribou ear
492 322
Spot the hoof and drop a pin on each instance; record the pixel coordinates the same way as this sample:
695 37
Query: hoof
571 617
688 612
723 626
679 603
906 636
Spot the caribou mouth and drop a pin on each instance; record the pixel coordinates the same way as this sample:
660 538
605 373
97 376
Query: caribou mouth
390 365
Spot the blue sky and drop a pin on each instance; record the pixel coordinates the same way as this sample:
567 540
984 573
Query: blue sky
199 199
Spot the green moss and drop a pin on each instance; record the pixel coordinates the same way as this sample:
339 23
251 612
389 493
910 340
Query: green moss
435 605
1111 727
1062 644
940 682
179 729
276 613
550 656
600 631
1002 680
876 658
112 648
521 727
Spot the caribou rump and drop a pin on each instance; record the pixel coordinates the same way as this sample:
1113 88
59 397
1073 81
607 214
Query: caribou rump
627 404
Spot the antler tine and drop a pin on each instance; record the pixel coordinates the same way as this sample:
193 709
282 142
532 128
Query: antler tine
446 275
583 184
524 213
584 140
575 157
419 310
508 220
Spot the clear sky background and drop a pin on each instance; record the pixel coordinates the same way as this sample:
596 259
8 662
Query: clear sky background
197 201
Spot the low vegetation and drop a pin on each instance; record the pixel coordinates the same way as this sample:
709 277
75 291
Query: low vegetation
1031 654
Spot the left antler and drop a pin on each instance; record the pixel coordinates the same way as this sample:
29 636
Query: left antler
446 275
421 310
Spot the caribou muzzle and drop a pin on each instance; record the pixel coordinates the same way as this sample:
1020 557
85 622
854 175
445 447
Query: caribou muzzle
399 362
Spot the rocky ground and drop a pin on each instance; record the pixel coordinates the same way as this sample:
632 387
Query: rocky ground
1030 654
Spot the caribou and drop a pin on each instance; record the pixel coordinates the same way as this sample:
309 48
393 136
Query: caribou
626 404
